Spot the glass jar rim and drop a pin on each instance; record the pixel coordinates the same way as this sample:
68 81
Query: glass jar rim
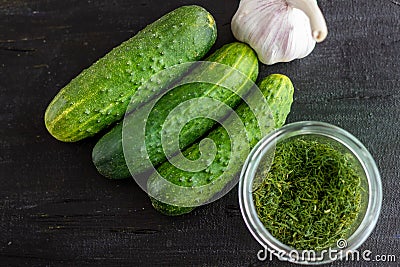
366 160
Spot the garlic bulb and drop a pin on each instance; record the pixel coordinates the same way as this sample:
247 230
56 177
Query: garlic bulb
279 30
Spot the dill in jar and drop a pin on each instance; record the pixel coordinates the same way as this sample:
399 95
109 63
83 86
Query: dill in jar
311 196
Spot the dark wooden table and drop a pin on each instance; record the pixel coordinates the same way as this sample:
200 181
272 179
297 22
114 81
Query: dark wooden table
55 209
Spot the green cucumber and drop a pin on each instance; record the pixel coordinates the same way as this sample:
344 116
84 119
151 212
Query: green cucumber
99 96
108 155
278 91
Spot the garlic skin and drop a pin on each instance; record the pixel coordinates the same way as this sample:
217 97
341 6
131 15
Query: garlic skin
279 30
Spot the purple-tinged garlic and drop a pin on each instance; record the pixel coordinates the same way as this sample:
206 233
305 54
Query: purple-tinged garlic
279 30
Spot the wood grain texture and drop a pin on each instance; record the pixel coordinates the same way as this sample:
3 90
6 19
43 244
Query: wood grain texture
55 210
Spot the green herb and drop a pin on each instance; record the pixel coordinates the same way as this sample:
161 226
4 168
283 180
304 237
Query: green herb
311 196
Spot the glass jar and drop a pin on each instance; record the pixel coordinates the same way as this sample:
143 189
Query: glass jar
258 163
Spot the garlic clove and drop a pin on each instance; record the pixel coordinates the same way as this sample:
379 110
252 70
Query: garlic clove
279 30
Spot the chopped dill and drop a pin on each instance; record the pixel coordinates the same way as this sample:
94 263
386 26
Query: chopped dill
311 196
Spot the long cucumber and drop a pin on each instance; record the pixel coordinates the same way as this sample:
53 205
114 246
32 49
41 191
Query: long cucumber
99 95
278 92
108 156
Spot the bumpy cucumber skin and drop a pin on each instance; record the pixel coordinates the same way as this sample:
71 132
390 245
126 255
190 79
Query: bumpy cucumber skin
108 154
278 91
99 96
280 96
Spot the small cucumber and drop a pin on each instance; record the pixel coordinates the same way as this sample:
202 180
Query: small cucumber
99 96
278 91
108 156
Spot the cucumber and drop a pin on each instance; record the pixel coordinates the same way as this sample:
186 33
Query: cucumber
99 95
278 91
108 155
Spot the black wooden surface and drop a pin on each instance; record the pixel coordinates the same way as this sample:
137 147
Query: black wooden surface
56 210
